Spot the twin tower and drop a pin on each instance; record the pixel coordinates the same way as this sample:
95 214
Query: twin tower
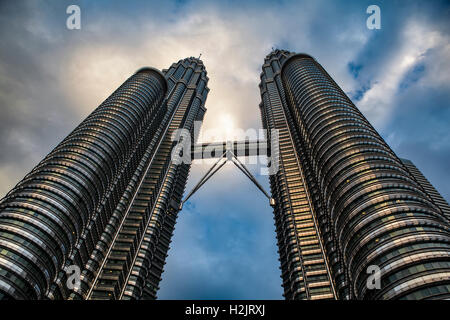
353 221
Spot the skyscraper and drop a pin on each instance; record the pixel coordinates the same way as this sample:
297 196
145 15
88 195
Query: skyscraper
106 198
353 221
428 187
345 203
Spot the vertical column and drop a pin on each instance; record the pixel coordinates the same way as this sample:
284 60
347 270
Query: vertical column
304 265
148 268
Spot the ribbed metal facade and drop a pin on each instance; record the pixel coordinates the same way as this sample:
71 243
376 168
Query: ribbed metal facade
367 208
56 214
105 198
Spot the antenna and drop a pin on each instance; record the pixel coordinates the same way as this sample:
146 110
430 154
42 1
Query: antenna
199 56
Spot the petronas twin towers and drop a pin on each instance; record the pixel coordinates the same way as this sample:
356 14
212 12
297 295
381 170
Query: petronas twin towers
104 202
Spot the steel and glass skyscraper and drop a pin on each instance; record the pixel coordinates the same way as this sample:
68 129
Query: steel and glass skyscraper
106 198
344 200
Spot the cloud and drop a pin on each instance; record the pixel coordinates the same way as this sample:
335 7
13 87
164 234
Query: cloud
415 41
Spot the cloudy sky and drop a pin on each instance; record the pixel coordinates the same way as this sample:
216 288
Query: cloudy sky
224 243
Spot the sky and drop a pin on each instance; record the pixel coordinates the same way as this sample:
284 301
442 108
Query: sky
224 244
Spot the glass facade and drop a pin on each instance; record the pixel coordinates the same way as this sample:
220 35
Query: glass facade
353 197
106 198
